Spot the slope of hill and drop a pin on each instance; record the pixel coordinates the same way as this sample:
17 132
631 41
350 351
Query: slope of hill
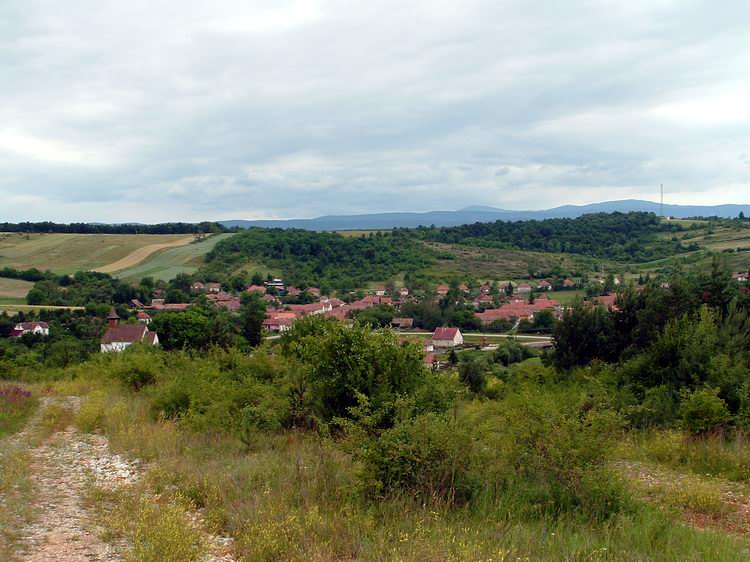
478 213
68 253
166 264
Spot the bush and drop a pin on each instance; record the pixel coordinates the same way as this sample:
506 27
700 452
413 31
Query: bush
703 410
473 375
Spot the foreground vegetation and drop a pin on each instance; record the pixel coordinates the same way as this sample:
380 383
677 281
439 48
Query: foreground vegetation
337 443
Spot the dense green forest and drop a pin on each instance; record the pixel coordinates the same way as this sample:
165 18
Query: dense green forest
626 237
96 228
319 258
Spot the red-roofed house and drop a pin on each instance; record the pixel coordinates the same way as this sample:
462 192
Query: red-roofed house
38 328
213 287
380 291
442 290
119 337
607 300
447 337
402 323
260 289
569 284
278 324
523 288
544 285
143 318
741 277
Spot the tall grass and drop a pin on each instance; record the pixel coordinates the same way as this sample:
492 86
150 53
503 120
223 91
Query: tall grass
725 455
297 497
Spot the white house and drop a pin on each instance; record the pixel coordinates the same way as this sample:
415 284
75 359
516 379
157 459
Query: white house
447 337
38 328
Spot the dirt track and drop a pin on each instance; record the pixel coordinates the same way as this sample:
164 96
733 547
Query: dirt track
136 257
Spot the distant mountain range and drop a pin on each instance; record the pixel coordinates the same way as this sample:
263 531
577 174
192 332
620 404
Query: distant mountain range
478 213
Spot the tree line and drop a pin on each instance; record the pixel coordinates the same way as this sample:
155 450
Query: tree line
618 236
97 228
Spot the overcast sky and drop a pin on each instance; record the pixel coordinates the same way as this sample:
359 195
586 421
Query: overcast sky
149 110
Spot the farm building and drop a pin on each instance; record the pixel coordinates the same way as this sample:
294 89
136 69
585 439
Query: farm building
447 337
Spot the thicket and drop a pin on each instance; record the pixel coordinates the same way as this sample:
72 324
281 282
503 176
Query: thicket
673 353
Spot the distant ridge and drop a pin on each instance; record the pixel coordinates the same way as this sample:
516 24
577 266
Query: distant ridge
480 213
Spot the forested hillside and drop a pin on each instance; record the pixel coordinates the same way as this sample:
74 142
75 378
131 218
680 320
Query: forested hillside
627 237
316 258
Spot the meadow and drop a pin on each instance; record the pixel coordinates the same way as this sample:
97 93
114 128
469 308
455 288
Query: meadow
68 253
167 263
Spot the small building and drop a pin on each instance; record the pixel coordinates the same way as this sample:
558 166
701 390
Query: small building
403 292
402 323
197 286
380 291
442 290
447 337
37 328
119 337
569 284
544 285
741 277
135 303
143 317
260 289
278 324
276 283
213 287
523 288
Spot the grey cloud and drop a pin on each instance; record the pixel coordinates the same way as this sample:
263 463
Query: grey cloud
292 109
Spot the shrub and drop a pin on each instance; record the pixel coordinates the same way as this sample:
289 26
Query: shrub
703 410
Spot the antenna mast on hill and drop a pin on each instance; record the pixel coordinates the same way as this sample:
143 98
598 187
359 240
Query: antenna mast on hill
661 202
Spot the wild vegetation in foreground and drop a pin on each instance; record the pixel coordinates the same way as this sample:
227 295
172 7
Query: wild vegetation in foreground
337 443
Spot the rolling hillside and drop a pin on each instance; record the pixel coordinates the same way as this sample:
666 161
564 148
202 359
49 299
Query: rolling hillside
68 253
165 264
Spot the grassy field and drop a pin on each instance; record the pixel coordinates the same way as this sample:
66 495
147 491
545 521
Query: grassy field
14 289
165 264
68 253
13 306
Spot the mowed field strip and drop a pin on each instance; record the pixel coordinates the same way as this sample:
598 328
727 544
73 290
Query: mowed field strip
137 256
166 263
68 253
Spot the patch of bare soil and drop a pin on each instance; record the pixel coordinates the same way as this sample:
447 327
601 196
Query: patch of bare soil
63 466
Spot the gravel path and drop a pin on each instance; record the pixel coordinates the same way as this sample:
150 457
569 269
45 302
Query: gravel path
61 468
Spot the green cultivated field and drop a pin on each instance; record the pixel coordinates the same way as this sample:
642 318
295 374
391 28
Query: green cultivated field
68 253
165 264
